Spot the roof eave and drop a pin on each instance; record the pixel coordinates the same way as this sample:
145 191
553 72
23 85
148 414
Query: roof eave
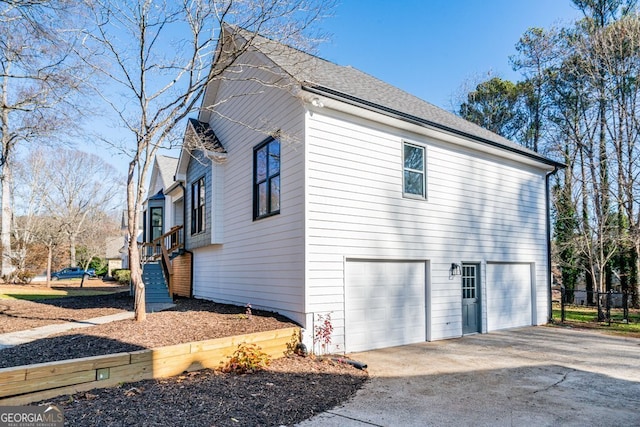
362 103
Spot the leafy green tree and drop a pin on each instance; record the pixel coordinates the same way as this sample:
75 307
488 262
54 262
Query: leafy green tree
536 52
579 100
493 105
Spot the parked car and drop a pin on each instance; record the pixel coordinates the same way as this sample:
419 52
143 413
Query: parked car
73 273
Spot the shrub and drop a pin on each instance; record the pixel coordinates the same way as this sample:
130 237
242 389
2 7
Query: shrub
21 277
322 333
247 358
123 276
25 276
100 265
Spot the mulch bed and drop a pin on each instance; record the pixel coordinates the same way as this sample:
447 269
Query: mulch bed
290 390
190 320
19 315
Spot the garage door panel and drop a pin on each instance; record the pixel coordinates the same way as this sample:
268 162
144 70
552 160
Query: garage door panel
384 304
509 298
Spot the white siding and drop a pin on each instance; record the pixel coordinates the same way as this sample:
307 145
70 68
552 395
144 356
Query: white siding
178 211
341 198
478 208
217 202
259 262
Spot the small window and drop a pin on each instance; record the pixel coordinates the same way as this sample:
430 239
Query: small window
198 201
266 184
414 171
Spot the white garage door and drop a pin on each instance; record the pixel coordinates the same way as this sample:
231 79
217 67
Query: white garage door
384 304
509 301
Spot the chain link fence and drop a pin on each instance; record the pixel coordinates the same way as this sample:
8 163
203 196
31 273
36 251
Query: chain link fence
612 306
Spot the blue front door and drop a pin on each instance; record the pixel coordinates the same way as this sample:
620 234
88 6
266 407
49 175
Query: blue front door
470 299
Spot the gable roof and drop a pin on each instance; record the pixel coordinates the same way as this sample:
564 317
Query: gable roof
113 247
198 136
355 87
206 138
166 168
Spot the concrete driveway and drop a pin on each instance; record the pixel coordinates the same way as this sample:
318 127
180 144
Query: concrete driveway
536 376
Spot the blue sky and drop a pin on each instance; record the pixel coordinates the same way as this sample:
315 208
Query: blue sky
431 48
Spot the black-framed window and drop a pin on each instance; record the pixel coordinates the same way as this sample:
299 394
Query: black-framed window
198 202
266 181
156 222
414 171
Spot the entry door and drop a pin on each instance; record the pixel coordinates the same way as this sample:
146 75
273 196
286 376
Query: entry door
470 299
156 223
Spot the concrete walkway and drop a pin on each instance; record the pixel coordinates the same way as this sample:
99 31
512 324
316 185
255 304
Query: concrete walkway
11 339
538 376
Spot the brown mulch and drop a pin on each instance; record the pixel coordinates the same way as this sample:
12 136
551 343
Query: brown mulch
190 320
290 390
19 315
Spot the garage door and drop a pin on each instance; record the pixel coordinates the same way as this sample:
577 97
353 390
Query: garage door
509 301
384 304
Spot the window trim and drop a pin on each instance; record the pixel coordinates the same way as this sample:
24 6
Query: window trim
200 210
422 196
268 178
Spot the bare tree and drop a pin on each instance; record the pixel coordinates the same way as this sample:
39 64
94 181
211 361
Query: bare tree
617 48
62 199
49 234
93 241
159 55
29 188
81 187
37 77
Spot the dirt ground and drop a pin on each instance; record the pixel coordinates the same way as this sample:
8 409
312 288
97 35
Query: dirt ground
290 390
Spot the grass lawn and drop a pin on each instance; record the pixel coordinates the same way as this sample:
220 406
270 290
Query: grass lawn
34 293
587 317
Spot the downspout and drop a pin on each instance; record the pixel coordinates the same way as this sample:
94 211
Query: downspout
548 224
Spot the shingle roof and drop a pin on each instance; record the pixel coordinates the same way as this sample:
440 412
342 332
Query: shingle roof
166 168
207 139
346 82
113 247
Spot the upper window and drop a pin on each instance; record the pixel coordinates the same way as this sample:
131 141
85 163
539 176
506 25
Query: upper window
198 200
414 171
266 182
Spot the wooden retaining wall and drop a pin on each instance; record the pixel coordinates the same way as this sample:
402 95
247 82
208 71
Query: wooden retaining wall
21 385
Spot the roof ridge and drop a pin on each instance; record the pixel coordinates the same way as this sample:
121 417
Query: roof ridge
354 83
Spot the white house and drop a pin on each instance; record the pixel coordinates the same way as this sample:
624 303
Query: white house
312 188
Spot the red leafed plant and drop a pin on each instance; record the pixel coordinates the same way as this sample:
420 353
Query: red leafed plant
322 332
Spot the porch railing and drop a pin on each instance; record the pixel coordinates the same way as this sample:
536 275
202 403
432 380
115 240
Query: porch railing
162 248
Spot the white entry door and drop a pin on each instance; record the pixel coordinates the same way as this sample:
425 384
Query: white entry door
384 304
